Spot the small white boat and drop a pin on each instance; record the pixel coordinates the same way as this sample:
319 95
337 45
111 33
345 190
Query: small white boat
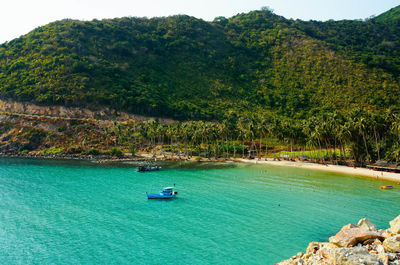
166 193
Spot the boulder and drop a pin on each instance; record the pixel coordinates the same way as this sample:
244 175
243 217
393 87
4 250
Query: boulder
380 249
299 255
395 226
349 237
354 256
313 247
392 244
349 226
366 224
387 234
372 241
384 258
288 262
388 258
295 260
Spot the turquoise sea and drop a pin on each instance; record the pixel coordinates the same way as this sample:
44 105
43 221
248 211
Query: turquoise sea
69 212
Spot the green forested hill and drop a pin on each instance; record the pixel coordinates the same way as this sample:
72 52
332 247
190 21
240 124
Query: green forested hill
392 14
186 68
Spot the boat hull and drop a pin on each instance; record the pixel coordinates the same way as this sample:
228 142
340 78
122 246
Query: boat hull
155 196
146 169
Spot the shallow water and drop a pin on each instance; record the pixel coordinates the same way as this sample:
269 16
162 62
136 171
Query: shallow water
61 212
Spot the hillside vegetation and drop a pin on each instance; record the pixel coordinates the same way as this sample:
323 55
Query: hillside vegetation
189 69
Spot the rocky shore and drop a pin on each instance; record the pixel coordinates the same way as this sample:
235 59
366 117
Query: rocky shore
108 158
353 245
93 158
59 156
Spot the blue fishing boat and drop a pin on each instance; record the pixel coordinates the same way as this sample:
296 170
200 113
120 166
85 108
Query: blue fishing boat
166 193
144 168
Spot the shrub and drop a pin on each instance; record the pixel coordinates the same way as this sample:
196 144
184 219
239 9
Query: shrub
93 151
54 150
25 148
132 150
116 152
74 149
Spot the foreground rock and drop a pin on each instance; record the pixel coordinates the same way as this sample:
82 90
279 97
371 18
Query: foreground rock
366 224
354 245
349 237
392 244
354 256
395 226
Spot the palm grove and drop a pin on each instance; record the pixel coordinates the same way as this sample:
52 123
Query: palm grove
361 136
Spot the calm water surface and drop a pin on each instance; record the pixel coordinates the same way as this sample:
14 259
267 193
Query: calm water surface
58 212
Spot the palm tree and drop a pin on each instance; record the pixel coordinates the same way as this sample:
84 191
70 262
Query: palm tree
242 131
362 126
378 125
250 133
170 131
264 130
225 132
198 137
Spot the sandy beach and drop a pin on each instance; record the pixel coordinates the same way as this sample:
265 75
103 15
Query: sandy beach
332 168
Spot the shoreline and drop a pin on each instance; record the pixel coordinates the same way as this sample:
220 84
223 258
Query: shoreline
358 171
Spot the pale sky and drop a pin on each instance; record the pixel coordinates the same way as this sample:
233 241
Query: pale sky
18 17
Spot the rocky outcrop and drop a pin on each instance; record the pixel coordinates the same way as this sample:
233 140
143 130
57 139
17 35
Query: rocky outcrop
354 256
366 224
328 254
392 244
349 237
395 226
354 245
70 112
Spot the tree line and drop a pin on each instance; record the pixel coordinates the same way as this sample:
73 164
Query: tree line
360 136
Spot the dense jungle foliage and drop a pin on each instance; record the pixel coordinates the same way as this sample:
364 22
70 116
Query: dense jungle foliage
190 69
356 137
360 136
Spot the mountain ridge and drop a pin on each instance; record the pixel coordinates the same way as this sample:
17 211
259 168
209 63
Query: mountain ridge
391 15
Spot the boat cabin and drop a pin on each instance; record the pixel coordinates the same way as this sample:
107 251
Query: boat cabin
165 193
168 191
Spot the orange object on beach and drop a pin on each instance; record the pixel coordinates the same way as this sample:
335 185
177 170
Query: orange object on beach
386 187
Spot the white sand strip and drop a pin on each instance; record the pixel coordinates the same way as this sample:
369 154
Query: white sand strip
332 168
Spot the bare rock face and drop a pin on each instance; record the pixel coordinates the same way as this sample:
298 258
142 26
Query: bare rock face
388 258
367 224
317 254
392 244
349 226
288 262
395 226
354 256
70 112
349 237
314 247
384 258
